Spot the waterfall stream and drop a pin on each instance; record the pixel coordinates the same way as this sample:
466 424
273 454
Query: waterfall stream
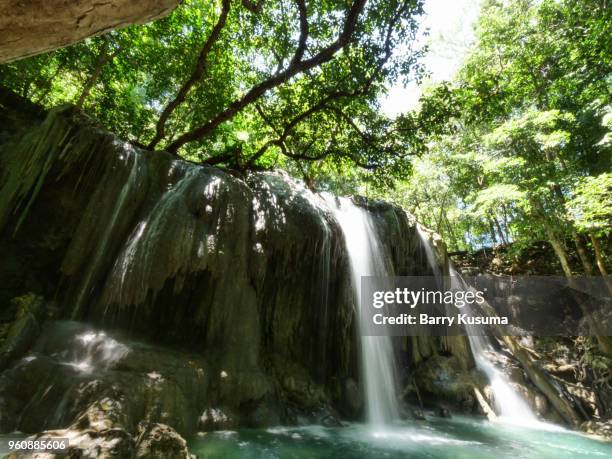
509 405
366 259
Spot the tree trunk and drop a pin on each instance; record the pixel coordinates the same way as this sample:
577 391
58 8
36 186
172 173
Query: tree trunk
492 230
600 261
598 255
553 238
500 231
103 59
583 254
451 233
537 375
580 248
543 382
559 249
484 404
605 342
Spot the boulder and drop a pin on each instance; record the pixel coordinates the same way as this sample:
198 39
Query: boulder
158 441
601 429
443 378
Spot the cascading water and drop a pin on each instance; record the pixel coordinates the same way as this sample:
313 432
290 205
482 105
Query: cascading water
508 403
94 350
366 259
94 266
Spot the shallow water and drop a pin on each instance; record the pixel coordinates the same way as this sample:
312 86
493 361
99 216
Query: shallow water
459 437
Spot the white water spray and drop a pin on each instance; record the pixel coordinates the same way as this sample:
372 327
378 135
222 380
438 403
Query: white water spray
509 404
366 259
94 351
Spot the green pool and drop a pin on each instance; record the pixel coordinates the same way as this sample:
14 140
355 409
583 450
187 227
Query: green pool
459 437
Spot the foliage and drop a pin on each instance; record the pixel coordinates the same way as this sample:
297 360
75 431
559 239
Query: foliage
525 153
517 148
245 84
591 206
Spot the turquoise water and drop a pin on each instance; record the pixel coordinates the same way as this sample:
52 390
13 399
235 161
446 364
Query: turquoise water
459 437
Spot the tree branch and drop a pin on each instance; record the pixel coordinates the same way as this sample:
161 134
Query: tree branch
198 71
293 69
299 53
103 59
324 104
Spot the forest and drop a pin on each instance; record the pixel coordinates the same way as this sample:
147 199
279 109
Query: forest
515 149
232 162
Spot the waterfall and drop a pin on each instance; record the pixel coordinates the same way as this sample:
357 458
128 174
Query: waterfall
509 404
95 350
94 266
366 259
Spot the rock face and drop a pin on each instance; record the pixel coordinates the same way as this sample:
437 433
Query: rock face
179 296
20 327
246 275
37 26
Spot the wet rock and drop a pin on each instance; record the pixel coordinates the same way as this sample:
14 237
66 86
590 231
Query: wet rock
540 404
405 411
76 373
21 333
217 419
598 428
158 441
443 412
444 378
352 398
19 338
242 281
269 413
302 391
87 444
326 416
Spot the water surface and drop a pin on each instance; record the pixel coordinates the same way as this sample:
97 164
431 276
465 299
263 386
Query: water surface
459 437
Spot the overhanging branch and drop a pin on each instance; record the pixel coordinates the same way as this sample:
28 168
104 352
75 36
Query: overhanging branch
296 67
197 73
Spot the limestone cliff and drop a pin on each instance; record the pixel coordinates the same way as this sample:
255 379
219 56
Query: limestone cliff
174 293
37 26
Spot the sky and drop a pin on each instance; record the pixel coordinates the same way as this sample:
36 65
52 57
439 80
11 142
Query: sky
450 24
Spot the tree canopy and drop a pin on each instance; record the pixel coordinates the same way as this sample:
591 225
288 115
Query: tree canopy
516 148
244 84
522 151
